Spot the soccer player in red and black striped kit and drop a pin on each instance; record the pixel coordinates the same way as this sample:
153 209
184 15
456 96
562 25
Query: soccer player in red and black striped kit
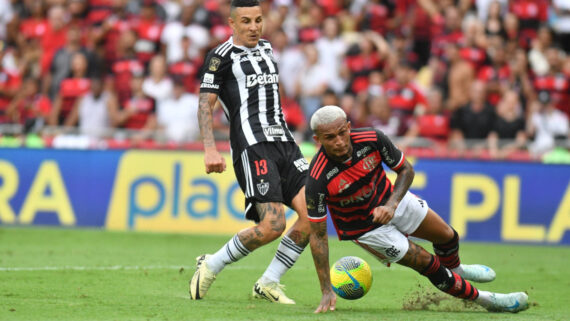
347 176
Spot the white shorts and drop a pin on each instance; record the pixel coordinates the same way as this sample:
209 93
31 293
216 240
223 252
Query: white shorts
389 243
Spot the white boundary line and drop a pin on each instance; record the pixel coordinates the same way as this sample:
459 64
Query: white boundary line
94 268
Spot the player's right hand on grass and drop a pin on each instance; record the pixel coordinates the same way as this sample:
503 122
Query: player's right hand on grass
214 161
328 302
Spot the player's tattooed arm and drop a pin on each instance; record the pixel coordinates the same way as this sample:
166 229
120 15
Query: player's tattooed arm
206 104
320 250
213 160
402 184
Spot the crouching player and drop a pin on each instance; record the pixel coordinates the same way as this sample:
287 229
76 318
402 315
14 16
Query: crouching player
347 176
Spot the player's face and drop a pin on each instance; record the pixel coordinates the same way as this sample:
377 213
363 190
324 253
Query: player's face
335 138
247 25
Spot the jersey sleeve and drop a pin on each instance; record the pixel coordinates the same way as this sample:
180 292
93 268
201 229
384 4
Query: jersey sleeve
391 155
212 73
316 197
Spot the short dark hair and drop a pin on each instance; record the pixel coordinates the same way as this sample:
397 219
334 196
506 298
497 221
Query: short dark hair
244 3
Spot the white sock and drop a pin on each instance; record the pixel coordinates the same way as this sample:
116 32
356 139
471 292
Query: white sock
484 298
287 254
233 251
458 269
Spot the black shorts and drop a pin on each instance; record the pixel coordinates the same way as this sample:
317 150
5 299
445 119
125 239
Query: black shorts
270 172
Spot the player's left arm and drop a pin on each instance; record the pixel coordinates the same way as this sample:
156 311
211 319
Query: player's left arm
395 159
320 251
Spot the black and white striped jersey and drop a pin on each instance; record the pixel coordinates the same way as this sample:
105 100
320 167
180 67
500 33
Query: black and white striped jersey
246 81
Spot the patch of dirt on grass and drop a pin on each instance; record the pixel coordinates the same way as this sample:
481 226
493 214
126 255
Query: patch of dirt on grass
426 298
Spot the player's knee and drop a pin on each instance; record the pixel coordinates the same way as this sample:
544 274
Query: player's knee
271 230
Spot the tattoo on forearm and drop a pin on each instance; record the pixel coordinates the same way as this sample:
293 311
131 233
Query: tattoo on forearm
320 251
205 120
403 182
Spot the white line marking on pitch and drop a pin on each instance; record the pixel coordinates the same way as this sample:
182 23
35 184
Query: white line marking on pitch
93 268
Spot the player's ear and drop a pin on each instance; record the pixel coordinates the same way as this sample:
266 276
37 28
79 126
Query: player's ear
316 139
348 126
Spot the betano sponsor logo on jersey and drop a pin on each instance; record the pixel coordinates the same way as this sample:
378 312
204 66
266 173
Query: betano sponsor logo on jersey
261 80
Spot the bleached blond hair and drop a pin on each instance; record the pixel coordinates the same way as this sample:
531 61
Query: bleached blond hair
326 115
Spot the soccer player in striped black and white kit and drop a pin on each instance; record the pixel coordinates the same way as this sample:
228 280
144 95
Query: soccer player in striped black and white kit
242 75
347 176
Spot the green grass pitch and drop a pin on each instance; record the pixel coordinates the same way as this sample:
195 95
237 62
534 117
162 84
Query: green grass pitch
61 274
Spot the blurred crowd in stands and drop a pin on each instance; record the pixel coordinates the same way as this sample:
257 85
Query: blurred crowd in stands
464 76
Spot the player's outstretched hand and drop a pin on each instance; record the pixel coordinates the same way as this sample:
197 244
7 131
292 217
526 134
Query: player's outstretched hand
328 302
383 214
215 162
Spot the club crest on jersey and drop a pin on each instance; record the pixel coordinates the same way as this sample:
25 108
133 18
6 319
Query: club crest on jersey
370 163
263 187
214 64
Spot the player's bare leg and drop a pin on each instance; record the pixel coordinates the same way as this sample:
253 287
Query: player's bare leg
290 248
452 283
270 227
446 246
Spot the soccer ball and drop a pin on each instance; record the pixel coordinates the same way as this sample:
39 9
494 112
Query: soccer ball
351 277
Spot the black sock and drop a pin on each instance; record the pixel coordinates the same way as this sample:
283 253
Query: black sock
448 253
448 281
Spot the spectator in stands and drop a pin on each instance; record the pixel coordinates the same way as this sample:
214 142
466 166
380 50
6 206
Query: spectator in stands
312 81
495 75
6 17
537 53
562 24
29 107
139 112
473 122
494 27
187 68
531 14
474 44
96 112
125 66
369 54
148 27
109 33
70 90
61 62
377 15
459 75
508 131
10 82
176 115
546 125
175 31
434 123
157 85
452 32
555 81
404 97
331 48
381 116
54 38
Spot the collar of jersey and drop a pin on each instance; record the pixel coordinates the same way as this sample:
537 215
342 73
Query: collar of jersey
244 48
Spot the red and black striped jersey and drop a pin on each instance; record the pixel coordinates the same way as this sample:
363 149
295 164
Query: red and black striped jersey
351 190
